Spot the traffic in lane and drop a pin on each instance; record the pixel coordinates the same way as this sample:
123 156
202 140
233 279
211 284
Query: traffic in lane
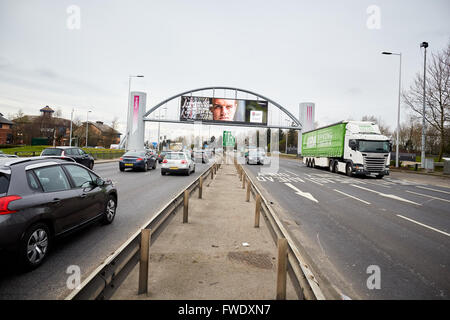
349 224
140 195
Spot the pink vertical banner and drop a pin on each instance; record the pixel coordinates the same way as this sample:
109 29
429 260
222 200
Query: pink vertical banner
135 112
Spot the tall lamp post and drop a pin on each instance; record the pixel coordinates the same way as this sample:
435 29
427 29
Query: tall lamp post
425 46
398 109
71 120
87 126
128 106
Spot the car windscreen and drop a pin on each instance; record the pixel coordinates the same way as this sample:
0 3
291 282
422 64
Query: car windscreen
52 152
175 156
4 183
134 154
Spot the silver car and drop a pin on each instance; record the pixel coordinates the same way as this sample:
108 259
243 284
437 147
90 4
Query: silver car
177 162
256 156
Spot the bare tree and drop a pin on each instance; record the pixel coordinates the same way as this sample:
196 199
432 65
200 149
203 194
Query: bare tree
437 97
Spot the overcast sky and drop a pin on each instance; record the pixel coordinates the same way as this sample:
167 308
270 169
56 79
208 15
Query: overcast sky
327 52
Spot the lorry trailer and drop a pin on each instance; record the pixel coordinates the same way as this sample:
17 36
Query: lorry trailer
350 147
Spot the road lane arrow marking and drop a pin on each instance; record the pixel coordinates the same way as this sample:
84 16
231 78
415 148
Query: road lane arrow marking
307 195
391 196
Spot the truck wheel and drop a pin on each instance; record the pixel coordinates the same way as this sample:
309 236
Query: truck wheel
313 164
380 176
335 167
331 166
348 170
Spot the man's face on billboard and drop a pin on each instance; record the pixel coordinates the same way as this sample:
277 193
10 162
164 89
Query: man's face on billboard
224 109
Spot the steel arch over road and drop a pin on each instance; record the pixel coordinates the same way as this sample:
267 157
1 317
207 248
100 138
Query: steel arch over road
297 123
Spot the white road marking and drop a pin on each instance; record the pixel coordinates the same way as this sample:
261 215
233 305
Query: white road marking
391 196
352 196
292 173
314 182
425 195
307 195
433 189
424 225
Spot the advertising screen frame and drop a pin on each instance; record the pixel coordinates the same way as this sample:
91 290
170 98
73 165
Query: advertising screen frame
245 113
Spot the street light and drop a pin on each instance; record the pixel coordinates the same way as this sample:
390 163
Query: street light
71 120
425 46
87 126
398 111
128 107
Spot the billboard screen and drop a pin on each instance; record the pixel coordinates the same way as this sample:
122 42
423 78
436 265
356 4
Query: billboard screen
223 110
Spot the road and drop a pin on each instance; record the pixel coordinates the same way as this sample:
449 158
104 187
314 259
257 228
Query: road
346 225
140 196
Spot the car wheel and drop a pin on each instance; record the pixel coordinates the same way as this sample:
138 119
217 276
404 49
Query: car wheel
193 170
163 173
154 166
146 166
110 210
188 172
348 170
121 169
35 246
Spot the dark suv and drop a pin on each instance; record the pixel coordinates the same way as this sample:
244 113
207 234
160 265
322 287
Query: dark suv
78 154
42 198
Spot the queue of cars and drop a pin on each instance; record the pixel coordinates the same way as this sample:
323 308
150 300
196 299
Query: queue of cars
45 197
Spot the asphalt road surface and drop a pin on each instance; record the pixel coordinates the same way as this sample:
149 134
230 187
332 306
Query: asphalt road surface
352 228
140 196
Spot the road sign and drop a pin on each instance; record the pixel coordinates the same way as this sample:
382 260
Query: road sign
228 139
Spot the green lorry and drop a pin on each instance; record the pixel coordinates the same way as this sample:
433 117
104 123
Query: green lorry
350 147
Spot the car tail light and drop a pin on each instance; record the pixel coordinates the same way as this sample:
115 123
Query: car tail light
121 158
183 161
165 161
4 202
139 159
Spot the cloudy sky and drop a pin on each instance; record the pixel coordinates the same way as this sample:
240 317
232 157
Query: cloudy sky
327 52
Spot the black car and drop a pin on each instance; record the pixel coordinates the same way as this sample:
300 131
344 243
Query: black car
78 154
161 156
42 198
140 160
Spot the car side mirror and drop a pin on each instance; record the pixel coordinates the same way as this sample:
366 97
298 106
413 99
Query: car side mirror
390 146
100 182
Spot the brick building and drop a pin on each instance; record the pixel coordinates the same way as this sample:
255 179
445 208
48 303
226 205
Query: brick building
6 136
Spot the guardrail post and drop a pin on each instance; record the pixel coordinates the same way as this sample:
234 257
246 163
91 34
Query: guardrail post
186 206
212 173
240 173
248 192
243 180
200 187
257 210
143 263
282 268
